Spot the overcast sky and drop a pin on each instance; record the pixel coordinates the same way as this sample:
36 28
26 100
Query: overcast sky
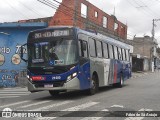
137 14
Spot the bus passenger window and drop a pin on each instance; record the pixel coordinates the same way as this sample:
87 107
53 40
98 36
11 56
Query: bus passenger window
92 47
110 51
124 55
120 53
115 52
105 50
99 49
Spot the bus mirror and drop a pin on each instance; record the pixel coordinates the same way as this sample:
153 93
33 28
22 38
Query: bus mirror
84 47
22 52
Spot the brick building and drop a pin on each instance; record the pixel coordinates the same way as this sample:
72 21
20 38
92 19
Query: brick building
85 15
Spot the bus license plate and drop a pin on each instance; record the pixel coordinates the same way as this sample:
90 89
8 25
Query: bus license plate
48 85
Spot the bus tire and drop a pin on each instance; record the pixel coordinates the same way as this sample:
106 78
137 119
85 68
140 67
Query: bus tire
54 93
95 85
121 83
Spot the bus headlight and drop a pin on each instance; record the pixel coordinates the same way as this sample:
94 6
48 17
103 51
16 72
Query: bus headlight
74 74
71 76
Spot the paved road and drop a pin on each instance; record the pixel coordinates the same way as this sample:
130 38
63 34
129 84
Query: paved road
141 93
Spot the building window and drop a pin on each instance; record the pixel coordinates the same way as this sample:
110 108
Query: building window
83 10
115 26
96 14
104 22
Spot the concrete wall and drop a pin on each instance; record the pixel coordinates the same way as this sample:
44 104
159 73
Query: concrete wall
12 36
143 51
143 46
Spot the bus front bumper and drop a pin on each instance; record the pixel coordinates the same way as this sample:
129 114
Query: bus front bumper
71 85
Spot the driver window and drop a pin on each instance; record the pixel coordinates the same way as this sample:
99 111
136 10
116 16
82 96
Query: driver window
82 50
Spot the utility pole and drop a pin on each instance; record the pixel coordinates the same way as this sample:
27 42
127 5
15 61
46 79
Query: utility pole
153 47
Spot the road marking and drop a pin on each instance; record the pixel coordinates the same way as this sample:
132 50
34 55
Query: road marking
33 104
13 94
82 106
13 89
4 92
51 106
75 108
120 106
97 114
9 96
138 118
13 104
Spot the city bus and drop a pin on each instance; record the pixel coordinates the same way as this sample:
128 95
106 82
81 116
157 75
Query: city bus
62 59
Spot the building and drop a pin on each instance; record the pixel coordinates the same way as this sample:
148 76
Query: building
12 36
144 53
85 15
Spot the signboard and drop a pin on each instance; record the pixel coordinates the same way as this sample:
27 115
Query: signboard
56 33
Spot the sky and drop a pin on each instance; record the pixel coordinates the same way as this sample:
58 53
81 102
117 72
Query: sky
138 15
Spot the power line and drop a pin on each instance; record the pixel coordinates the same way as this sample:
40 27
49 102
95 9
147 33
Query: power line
16 9
149 8
30 9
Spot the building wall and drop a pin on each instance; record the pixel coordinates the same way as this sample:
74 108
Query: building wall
142 52
143 46
12 36
66 15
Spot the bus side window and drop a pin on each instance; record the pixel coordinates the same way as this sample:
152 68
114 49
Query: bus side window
105 50
124 55
120 53
115 52
92 47
110 51
99 49
83 46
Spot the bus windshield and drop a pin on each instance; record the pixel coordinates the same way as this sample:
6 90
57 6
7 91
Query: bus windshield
52 53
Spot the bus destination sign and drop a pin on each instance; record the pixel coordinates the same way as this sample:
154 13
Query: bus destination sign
56 33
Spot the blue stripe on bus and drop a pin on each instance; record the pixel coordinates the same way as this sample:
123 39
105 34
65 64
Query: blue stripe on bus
84 76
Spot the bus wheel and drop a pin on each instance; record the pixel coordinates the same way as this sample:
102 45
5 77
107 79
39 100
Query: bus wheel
94 87
53 93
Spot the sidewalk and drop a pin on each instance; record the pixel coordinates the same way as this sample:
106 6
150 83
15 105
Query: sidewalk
141 73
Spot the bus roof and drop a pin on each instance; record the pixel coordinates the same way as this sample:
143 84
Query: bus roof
106 39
